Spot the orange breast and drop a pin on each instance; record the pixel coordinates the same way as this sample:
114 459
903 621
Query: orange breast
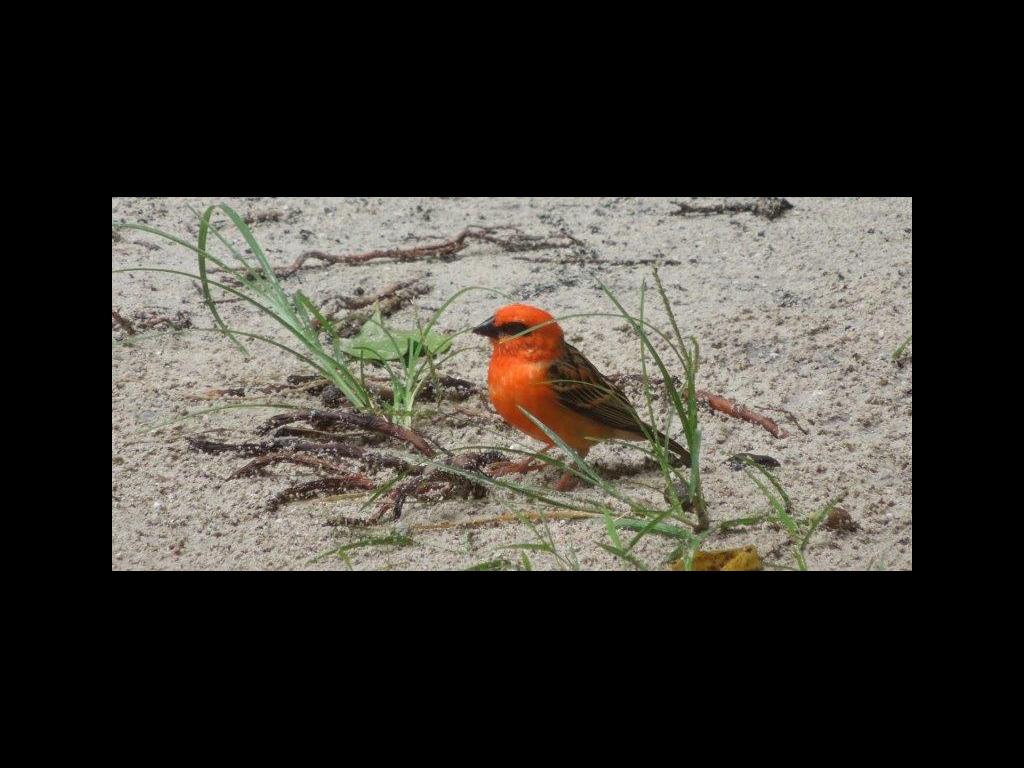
517 383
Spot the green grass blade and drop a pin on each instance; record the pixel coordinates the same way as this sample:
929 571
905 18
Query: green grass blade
254 246
204 226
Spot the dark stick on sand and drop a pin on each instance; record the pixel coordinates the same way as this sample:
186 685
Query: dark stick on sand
514 242
766 207
352 420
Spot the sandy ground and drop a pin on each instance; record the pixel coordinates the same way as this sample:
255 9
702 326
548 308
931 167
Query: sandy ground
801 313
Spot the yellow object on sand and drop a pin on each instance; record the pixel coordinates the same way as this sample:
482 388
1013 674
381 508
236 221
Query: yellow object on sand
742 559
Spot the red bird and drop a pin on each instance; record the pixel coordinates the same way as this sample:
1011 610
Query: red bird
552 380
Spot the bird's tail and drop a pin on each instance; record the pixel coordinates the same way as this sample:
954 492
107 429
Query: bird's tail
676 448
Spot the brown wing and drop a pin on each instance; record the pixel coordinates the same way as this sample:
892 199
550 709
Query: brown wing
581 387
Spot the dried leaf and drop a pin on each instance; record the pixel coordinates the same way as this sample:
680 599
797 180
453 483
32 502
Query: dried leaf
741 559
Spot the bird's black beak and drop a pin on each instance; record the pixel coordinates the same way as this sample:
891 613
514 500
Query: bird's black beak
487 328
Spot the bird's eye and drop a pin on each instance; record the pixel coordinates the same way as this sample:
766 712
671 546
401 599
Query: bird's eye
511 329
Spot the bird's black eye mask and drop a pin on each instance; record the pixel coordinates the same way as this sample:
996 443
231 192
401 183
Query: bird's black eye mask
488 328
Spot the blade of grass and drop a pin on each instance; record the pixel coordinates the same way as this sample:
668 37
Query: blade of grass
204 226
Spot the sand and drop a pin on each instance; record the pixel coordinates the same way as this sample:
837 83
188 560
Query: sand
801 313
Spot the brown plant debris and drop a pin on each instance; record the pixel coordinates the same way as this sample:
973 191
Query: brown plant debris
323 442
512 242
766 207
262 216
145 320
351 420
715 403
303 378
841 520
371 438
243 449
738 411
320 487
790 416
584 260
304 452
362 298
257 465
437 484
447 387
123 322
389 300
450 388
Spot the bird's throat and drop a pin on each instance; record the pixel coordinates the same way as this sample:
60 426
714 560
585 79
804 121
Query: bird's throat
526 349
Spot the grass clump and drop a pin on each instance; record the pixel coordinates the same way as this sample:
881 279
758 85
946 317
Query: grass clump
408 356
256 284
799 527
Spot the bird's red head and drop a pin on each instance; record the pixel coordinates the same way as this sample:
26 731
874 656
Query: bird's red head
505 330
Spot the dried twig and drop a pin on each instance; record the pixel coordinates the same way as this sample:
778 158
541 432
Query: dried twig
514 242
243 449
716 403
178 321
729 408
282 442
292 457
123 322
303 378
389 301
351 420
371 459
146 320
297 451
449 484
790 416
322 436
363 299
587 260
313 488
262 216
767 207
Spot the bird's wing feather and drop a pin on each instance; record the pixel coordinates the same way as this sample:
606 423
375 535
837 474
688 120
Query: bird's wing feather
581 387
